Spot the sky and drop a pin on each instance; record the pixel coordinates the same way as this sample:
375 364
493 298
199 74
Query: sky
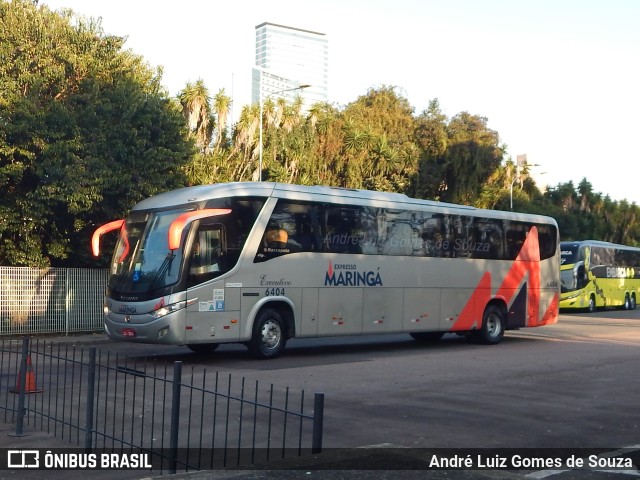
559 80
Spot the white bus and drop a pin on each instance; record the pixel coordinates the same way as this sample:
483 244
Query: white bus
260 263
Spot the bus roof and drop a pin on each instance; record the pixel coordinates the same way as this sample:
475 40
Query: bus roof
598 243
201 193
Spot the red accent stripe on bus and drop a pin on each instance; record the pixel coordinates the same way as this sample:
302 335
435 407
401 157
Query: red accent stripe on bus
551 315
526 264
524 269
474 308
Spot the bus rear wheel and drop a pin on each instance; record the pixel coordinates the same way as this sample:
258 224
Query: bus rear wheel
268 339
627 302
493 324
632 305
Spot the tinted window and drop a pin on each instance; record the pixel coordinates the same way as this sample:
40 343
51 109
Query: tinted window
352 229
238 223
208 258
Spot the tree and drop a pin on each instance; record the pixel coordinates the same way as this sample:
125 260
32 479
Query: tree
221 105
196 108
85 132
379 145
432 139
473 154
459 156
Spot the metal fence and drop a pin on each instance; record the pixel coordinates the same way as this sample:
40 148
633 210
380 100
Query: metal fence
52 300
184 420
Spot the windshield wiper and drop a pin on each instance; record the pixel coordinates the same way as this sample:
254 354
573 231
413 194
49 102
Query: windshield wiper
163 270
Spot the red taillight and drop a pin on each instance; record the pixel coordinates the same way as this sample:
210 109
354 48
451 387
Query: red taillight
128 332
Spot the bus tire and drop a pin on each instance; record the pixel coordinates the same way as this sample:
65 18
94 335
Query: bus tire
203 348
268 339
592 304
627 302
427 337
632 305
493 324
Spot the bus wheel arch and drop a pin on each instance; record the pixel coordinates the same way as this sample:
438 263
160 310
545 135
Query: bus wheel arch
494 322
272 327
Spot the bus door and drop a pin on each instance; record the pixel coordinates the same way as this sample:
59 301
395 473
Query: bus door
214 313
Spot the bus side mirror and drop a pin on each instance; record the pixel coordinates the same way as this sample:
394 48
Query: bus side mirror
95 238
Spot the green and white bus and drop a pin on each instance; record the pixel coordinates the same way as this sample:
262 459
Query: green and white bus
598 274
260 263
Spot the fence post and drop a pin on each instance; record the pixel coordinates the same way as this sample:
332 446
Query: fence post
318 419
175 417
66 301
91 381
21 382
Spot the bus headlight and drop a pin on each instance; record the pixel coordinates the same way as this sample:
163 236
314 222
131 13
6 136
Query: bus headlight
167 309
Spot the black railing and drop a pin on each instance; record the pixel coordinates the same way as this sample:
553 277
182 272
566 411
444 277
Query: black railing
184 419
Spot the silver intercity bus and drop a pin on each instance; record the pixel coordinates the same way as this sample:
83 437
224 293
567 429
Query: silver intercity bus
259 263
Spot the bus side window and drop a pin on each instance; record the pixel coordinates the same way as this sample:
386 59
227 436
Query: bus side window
207 254
304 238
547 239
300 222
343 234
275 237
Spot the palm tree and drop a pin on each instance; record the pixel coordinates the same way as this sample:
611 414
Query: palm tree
222 105
245 140
196 108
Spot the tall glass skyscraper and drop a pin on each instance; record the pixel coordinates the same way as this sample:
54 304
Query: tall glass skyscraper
288 57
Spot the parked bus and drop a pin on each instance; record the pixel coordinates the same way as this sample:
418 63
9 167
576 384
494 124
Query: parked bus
599 274
260 263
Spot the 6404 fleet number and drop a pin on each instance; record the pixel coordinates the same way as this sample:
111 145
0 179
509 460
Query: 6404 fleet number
274 292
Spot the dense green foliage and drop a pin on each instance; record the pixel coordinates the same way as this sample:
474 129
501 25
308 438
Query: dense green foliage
86 131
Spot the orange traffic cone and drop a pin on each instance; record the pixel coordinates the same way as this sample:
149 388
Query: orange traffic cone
30 380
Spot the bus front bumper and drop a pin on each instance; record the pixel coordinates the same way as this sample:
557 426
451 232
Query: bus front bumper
165 330
573 300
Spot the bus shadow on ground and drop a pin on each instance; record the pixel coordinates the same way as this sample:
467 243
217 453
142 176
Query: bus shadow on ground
328 351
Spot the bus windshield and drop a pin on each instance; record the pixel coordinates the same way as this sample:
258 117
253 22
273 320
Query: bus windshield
569 253
142 260
572 277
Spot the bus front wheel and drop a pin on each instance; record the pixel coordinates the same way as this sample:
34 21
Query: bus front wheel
493 322
592 304
268 339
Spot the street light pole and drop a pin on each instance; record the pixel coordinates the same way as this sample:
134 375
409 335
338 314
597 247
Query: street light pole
518 177
300 87
511 192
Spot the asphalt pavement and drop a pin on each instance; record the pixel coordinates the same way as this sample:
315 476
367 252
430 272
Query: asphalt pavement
332 465
329 465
